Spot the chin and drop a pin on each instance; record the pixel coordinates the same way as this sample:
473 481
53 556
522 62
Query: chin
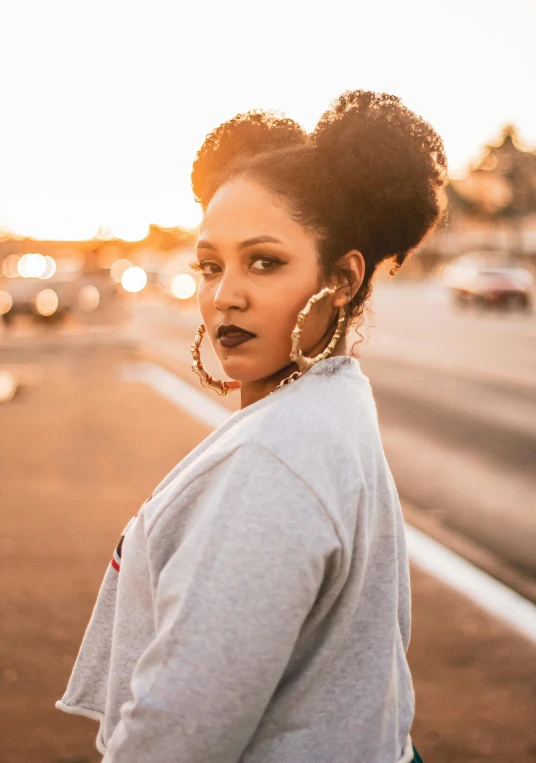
245 372
240 371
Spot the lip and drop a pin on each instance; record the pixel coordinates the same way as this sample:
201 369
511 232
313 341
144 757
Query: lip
235 340
231 328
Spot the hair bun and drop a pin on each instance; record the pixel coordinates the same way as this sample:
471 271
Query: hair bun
359 118
387 164
246 135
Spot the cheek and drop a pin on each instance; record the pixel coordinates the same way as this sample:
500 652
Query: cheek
280 315
282 321
204 299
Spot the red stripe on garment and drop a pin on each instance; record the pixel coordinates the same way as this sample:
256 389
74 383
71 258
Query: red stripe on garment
115 565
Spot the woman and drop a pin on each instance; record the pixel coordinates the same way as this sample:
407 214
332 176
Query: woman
257 608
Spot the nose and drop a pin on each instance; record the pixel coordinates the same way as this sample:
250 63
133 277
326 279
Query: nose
230 294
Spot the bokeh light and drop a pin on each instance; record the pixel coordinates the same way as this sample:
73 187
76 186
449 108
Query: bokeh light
134 279
8 386
50 268
10 266
88 298
118 268
32 265
183 286
6 302
46 302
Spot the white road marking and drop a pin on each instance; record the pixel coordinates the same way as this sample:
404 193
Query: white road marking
463 576
177 391
431 556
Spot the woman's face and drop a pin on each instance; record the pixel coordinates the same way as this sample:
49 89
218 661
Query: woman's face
258 270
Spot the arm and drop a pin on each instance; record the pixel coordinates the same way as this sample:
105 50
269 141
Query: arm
230 604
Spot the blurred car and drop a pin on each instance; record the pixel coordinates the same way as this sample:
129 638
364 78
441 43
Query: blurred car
53 298
494 288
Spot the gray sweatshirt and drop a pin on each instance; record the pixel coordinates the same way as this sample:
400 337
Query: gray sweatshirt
257 608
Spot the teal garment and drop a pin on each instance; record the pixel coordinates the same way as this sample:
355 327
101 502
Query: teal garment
417 758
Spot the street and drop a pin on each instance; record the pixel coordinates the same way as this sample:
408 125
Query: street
456 396
83 443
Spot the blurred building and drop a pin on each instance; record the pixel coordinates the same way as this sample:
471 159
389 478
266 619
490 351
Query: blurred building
492 209
494 206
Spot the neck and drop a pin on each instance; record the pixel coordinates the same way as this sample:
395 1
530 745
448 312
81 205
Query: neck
251 392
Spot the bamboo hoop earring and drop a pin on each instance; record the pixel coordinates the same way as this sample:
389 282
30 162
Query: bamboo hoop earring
303 362
221 387
296 355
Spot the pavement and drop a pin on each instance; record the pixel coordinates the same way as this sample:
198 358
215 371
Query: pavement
80 450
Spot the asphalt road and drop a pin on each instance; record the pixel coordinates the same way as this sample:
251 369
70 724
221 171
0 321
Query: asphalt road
456 396
80 449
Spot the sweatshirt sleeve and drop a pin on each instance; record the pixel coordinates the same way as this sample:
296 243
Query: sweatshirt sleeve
229 603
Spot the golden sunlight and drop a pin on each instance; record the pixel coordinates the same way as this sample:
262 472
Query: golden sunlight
116 155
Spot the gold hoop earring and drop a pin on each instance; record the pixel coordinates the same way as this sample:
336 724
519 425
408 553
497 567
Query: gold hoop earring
296 355
221 387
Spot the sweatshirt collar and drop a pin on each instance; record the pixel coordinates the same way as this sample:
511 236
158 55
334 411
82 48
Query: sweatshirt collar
327 367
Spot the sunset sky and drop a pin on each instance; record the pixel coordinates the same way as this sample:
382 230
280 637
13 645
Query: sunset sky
105 103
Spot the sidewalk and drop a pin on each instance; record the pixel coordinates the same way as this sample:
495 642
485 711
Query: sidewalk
474 680
80 450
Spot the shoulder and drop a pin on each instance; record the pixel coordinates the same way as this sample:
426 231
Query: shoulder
330 410
323 430
248 493
306 444
253 473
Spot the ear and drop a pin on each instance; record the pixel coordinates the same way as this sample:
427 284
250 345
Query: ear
352 266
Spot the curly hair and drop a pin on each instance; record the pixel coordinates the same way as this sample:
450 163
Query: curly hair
368 177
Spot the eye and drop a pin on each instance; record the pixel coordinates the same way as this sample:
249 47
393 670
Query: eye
206 268
267 263
259 264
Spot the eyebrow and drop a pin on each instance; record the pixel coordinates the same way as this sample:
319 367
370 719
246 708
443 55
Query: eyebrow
202 244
